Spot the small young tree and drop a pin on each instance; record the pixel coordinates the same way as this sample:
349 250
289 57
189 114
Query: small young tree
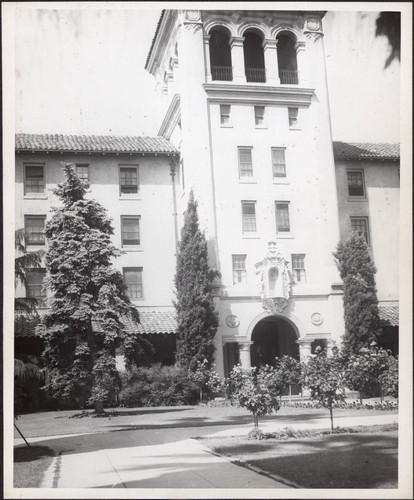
255 390
323 375
362 324
84 324
196 314
389 378
363 370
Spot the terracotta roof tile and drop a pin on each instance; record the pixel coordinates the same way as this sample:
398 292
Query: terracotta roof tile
364 151
94 143
150 322
390 314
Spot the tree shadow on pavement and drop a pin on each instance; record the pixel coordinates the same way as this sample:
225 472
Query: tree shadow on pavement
338 461
26 453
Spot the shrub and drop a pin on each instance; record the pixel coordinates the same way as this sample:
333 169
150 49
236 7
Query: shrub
157 386
207 380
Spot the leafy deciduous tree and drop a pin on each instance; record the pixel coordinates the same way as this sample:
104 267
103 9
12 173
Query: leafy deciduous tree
254 389
364 369
84 324
388 24
389 378
323 375
362 323
196 315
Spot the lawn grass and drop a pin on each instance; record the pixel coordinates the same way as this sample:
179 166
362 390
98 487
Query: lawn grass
355 460
72 422
29 465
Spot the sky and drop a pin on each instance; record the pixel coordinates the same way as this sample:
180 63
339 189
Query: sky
82 72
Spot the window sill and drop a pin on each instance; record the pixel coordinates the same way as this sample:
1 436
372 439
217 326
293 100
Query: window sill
285 236
281 180
261 127
357 198
226 125
295 128
250 236
132 249
130 197
247 181
32 196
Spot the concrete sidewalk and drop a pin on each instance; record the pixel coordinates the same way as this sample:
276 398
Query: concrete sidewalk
183 463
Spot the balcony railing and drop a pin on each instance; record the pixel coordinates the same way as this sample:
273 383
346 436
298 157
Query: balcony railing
288 76
223 73
257 75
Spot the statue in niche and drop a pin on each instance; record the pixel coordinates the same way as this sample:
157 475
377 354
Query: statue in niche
274 279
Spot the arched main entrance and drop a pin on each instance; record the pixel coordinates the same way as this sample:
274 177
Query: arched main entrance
273 337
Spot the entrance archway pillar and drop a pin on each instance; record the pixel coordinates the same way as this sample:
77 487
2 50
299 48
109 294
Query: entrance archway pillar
244 349
305 350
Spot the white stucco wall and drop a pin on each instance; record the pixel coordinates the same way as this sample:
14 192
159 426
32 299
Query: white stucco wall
154 205
381 206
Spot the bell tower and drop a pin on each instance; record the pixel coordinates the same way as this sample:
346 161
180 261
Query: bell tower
246 102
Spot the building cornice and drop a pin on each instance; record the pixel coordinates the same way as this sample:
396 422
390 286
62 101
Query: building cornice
161 38
171 118
257 94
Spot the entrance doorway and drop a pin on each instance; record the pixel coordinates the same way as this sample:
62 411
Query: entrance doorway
273 337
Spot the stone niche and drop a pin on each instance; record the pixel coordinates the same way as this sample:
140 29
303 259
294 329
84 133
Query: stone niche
274 280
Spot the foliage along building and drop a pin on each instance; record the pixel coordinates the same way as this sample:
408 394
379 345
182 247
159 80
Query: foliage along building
247 128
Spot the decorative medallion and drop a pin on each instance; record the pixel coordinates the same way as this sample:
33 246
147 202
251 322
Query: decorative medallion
232 321
274 280
317 318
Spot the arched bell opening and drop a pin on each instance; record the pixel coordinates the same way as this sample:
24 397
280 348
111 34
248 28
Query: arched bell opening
220 55
254 63
287 60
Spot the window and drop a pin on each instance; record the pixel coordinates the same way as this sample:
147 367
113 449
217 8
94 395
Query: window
225 114
133 281
34 226
239 269
259 112
34 181
293 117
355 182
130 230
249 216
245 162
282 217
129 180
360 226
34 286
278 163
82 171
298 267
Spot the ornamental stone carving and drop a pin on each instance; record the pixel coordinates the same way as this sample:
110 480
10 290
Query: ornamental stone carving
192 15
313 24
274 280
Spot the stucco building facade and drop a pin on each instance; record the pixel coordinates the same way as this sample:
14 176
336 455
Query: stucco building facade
247 129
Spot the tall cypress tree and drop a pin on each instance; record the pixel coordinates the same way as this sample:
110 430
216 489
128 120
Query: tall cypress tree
362 323
84 324
196 315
